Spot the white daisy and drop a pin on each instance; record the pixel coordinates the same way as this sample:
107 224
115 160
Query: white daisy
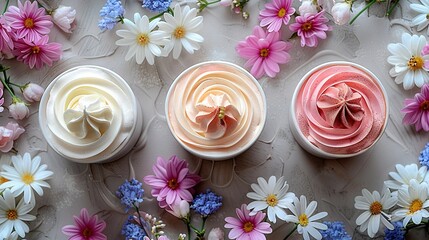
12 236
413 200
421 20
182 30
302 216
405 174
374 208
12 216
25 176
143 41
271 195
408 61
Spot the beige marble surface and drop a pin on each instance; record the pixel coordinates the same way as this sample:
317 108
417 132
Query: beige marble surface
333 183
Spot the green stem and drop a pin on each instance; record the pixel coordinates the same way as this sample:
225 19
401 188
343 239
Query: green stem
395 3
293 230
363 10
6 85
157 16
140 219
17 85
210 3
5 7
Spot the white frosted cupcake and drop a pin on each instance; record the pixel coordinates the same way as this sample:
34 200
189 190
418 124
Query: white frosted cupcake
89 114
215 110
339 110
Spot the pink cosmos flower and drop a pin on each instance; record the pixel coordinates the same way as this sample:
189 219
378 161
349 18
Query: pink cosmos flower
247 227
310 27
425 51
172 181
417 110
264 52
86 227
276 13
6 41
28 20
37 53
1 97
8 135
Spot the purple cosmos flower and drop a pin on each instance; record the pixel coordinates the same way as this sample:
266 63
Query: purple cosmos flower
310 28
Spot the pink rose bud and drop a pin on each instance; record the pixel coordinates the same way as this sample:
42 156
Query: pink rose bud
18 110
33 92
8 135
216 234
226 3
64 18
341 13
307 6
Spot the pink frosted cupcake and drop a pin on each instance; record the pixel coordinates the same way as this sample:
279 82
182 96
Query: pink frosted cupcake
339 109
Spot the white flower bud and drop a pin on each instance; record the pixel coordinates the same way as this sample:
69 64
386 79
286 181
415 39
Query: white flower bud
33 92
307 6
18 110
216 234
341 13
64 18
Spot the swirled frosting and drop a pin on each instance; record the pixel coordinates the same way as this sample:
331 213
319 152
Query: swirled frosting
215 108
88 116
341 109
90 113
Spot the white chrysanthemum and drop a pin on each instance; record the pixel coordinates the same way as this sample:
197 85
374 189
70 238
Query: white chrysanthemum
421 20
25 176
405 174
408 61
12 216
182 30
12 236
302 216
143 41
271 195
375 208
413 200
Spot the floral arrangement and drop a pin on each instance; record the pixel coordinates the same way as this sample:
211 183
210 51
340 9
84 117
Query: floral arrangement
20 178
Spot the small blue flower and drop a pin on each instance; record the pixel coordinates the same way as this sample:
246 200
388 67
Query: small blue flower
111 13
398 233
207 203
156 5
130 193
335 231
424 156
131 230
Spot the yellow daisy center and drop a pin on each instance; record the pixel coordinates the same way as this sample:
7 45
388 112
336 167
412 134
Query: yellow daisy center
179 32
375 208
35 49
424 105
29 23
248 227
306 26
281 13
11 214
173 184
27 178
272 200
3 180
415 206
303 220
415 63
264 52
143 39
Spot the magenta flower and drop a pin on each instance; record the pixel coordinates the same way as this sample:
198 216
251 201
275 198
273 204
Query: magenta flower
417 110
172 181
37 53
264 52
310 27
247 227
8 135
86 227
276 13
6 41
28 20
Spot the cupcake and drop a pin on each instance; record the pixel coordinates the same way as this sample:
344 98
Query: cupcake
339 109
215 110
89 114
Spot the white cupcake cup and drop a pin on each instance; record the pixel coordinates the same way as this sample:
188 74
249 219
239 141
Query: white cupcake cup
213 154
106 156
299 136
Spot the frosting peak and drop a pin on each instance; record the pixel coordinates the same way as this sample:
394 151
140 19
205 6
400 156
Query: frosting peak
216 115
341 106
88 116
